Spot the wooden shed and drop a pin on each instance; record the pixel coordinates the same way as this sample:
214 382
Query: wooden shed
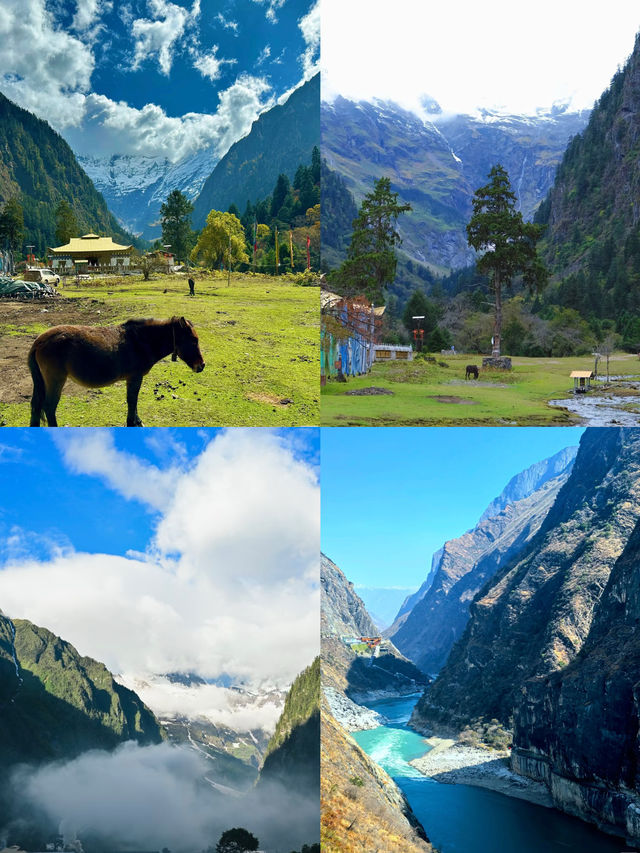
581 381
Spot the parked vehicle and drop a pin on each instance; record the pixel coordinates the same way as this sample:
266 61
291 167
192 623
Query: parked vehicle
43 276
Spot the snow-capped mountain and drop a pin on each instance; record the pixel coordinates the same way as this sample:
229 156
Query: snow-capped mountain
134 187
437 160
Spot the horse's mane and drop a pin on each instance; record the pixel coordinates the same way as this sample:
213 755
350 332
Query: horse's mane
137 323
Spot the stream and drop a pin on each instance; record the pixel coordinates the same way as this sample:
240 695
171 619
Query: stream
601 411
466 819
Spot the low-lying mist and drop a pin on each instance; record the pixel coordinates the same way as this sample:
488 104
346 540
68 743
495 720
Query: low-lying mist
155 797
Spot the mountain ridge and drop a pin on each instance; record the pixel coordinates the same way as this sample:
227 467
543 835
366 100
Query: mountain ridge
436 166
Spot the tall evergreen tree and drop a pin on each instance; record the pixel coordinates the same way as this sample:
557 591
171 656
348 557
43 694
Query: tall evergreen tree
66 223
280 193
175 218
12 224
371 258
497 229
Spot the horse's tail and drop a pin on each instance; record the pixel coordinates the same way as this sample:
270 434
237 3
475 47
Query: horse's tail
39 390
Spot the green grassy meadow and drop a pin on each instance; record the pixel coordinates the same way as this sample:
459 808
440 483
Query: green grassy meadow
430 395
259 338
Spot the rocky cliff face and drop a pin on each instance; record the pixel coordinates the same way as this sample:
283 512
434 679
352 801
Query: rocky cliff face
467 563
436 165
54 703
577 729
345 671
534 616
426 632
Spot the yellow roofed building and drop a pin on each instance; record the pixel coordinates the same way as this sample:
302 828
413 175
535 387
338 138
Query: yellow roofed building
92 252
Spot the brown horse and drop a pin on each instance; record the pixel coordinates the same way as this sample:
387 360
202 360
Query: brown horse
472 370
96 355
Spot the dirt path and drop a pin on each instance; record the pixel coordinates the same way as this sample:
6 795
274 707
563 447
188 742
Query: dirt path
21 321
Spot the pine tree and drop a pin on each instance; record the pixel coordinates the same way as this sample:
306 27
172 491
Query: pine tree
497 229
175 218
66 223
12 224
371 258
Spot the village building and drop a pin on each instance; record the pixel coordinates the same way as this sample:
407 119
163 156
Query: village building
90 253
393 352
348 337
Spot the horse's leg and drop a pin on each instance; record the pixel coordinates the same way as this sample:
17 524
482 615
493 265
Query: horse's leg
54 385
133 389
39 390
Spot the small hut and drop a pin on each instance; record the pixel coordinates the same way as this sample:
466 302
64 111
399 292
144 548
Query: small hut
581 381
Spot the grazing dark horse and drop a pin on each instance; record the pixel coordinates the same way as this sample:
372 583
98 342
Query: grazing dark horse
472 370
192 287
97 355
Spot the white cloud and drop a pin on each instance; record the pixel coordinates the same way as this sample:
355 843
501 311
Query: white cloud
88 14
94 452
210 65
265 53
220 705
110 126
159 35
145 795
136 798
228 24
43 68
272 8
310 27
230 584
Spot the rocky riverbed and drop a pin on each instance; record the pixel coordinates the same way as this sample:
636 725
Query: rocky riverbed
352 717
453 763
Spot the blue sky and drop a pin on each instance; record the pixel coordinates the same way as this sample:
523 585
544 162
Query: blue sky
54 504
155 77
392 496
201 546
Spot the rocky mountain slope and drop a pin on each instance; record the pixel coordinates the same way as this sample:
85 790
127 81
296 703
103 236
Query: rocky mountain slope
436 163
362 807
39 168
350 672
593 210
427 633
279 141
293 753
533 618
577 729
55 703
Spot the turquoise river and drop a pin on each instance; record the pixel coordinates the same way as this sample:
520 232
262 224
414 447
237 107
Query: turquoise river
465 819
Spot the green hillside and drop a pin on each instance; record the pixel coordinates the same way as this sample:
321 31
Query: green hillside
592 213
39 169
278 142
65 703
293 753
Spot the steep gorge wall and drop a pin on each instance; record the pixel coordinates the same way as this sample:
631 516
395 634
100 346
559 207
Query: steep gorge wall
578 728
533 617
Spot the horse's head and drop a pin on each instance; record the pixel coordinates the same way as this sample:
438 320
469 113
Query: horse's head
185 344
